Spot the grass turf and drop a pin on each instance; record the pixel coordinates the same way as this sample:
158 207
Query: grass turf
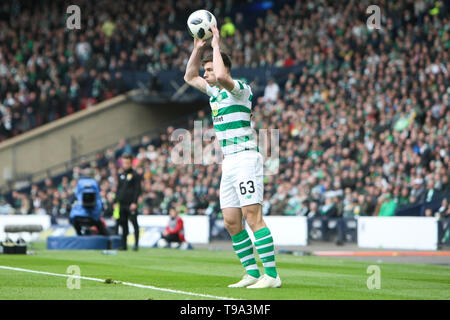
209 272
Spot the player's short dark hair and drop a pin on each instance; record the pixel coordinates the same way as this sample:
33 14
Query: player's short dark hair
127 156
225 57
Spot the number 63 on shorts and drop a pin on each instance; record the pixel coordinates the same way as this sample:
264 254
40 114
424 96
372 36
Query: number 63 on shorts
243 189
242 180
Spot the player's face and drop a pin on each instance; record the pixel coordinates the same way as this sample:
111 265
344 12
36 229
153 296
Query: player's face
126 164
209 74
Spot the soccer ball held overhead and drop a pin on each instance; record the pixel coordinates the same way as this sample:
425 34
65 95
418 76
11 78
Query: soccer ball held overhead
199 24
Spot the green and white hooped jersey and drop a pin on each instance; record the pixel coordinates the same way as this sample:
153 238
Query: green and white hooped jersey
231 112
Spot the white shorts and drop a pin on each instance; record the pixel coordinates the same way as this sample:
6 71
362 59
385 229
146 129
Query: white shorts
242 179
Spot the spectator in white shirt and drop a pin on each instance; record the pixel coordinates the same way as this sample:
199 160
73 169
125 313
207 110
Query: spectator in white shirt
271 91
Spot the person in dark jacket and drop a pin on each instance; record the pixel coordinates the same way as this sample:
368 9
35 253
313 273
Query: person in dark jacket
430 194
128 190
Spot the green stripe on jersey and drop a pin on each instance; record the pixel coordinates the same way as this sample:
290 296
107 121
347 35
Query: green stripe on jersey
232 125
235 140
220 96
246 149
232 109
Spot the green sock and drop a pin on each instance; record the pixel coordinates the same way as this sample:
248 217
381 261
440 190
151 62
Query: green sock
265 248
242 245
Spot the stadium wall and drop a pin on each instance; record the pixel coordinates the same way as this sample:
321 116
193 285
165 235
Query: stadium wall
411 233
400 233
83 132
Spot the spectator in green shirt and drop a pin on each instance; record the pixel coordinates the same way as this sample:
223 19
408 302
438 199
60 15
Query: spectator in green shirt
403 199
388 207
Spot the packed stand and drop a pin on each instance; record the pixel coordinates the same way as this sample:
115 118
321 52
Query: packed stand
48 71
364 129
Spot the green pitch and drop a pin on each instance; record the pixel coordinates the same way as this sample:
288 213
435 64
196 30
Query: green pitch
209 272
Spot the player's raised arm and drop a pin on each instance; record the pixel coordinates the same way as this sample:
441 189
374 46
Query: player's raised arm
191 76
223 75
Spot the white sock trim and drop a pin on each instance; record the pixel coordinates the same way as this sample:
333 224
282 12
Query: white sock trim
267 254
269 264
252 267
264 246
247 258
263 238
243 249
241 242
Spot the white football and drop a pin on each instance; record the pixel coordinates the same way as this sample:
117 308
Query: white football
199 24
162 243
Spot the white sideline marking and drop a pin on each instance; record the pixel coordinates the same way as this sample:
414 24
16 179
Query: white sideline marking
124 283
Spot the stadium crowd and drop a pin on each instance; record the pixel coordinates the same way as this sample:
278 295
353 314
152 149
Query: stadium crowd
48 71
364 129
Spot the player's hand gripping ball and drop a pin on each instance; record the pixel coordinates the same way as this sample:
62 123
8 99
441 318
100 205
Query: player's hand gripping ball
199 24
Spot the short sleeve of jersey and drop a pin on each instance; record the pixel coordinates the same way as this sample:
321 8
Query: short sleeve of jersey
238 89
